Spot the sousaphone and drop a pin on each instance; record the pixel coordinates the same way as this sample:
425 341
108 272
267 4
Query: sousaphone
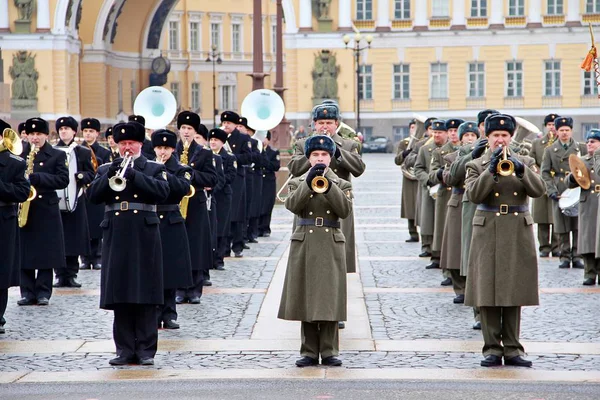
580 172
157 105
263 108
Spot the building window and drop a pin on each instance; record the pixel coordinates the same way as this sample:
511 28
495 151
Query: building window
195 100
552 78
274 38
173 35
440 9
215 35
226 102
367 132
586 127
175 91
592 6
516 8
365 87
236 38
402 81
478 8
402 9
555 7
399 133
364 9
194 36
439 81
476 79
589 84
514 79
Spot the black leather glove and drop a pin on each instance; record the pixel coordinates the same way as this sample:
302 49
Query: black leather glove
571 178
316 170
34 179
338 153
479 149
114 167
553 196
406 152
129 174
439 173
519 166
496 155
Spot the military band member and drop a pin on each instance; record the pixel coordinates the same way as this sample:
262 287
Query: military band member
241 147
503 273
588 211
270 165
177 265
22 133
254 170
555 165
223 197
147 149
197 221
542 206
42 240
132 271
314 290
75 223
346 162
450 257
112 146
90 127
14 189
409 186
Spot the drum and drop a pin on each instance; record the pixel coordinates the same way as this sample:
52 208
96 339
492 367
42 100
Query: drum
569 202
67 197
433 191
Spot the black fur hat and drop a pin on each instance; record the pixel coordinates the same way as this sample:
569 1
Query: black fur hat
500 122
90 123
164 137
484 114
319 142
67 121
468 126
563 121
218 134
189 118
138 119
36 125
129 131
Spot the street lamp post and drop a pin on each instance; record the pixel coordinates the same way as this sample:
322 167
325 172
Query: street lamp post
215 58
357 49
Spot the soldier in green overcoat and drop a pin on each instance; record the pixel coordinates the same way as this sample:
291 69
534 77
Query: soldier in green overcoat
314 290
408 206
503 271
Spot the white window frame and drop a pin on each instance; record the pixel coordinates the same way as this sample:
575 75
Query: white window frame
175 88
364 10
516 8
555 89
400 132
366 80
479 8
240 40
440 8
555 7
174 35
195 101
444 89
400 77
194 35
229 97
588 78
401 9
478 84
507 80
592 6
274 36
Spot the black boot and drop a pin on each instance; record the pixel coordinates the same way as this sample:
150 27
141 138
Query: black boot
306 362
491 361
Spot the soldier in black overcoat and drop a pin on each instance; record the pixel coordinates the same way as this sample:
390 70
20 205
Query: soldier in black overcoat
112 146
132 272
14 189
42 240
90 127
241 147
218 138
75 223
147 149
197 222
254 203
177 265
270 165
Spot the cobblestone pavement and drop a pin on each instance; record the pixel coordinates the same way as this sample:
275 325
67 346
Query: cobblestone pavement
403 300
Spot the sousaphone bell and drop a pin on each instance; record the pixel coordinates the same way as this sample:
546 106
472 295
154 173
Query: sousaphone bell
157 105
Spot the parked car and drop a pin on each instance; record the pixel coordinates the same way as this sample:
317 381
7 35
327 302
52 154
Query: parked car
378 144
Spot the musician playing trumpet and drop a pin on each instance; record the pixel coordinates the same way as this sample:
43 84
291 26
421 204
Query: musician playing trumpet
75 222
314 290
132 271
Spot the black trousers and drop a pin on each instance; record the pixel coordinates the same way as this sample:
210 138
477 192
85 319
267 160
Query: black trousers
237 236
264 224
3 304
71 270
135 331
35 287
252 233
222 250
96 253
168 311
196 289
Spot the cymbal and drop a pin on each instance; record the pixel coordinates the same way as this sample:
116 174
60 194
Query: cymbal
580 171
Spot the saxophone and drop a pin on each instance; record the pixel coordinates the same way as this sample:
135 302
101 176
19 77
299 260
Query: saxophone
185 202
24 207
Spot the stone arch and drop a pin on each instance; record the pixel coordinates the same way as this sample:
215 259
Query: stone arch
101 22
60 17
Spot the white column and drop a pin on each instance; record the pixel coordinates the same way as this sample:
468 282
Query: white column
383 16
573 17
43 15
421 14
496 17
458 14
4 24
535 12
305 15
345 15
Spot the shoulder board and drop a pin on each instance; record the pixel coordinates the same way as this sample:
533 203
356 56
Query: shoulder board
15 157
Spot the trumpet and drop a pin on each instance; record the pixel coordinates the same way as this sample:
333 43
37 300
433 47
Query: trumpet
118 183
505 166
319 184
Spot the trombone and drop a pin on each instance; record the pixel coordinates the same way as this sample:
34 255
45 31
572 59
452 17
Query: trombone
118 183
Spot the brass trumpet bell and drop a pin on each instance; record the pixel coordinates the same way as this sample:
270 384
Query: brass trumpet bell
11 142
319 184
505 166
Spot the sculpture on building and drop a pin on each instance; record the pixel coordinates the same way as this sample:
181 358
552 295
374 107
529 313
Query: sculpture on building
24 76
158 21
25 8
323 9
325 75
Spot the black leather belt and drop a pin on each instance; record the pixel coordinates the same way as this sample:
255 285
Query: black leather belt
319 221
125 206
503 209
167 207
456 190
5 204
